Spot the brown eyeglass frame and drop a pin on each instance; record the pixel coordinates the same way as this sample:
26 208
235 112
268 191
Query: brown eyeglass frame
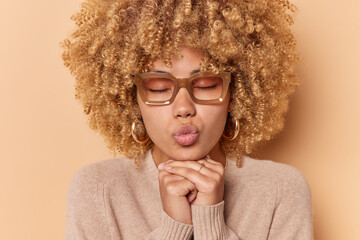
183 82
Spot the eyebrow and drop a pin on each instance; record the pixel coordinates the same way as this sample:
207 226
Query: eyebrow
192 73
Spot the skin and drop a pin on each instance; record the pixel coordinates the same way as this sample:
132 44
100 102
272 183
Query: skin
180 182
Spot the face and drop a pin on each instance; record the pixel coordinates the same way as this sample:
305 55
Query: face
184 130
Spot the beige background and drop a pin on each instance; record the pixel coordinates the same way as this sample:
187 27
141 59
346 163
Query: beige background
44 137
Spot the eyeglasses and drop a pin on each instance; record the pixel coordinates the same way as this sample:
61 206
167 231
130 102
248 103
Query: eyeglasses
203 87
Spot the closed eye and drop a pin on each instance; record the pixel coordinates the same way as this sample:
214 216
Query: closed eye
159 90
206 87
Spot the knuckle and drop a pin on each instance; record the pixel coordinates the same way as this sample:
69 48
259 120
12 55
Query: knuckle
218 177
221 170
171 189
211 185
215 181
161 175
166 179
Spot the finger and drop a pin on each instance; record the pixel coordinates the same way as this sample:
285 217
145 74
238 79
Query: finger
180 188
192 196
216 162
208 160
203 183
195 165
177 163
166 177
213 165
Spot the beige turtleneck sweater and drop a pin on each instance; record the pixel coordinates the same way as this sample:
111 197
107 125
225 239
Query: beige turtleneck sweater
263 199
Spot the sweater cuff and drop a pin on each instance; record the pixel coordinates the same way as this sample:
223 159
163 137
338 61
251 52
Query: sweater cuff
209 221
172 229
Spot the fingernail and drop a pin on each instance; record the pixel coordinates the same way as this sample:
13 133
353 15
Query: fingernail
161 165
168 168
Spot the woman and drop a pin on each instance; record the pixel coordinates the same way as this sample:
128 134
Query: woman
184 89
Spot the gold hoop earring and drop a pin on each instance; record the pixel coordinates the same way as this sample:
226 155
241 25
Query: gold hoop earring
134 135
236 132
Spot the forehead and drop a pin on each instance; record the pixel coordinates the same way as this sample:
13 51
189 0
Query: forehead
182 66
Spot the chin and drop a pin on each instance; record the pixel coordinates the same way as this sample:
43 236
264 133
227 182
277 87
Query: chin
188 154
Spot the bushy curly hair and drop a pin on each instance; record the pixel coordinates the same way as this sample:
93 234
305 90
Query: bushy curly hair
115 39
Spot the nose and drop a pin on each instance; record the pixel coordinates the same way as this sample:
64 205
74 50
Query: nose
183 106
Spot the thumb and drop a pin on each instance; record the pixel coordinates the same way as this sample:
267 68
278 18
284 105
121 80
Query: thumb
191 196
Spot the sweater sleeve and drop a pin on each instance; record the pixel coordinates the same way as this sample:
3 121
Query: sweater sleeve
169 228
209 223
292 218
87 217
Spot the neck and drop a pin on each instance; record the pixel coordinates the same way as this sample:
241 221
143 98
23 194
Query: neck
216 154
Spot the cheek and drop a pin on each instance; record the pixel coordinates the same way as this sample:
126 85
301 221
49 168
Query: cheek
214 120
215 117
155 120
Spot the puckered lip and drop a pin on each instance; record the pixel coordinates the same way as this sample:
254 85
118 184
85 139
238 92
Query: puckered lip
186 129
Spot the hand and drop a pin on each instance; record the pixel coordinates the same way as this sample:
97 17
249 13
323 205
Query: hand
209 181
175 193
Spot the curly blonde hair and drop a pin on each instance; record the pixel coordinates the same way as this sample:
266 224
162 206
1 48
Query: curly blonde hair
115 39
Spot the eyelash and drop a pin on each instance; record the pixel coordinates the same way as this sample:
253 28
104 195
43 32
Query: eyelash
158 91
208 87
164 90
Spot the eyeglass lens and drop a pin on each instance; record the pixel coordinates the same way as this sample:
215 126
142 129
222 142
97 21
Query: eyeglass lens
202 88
